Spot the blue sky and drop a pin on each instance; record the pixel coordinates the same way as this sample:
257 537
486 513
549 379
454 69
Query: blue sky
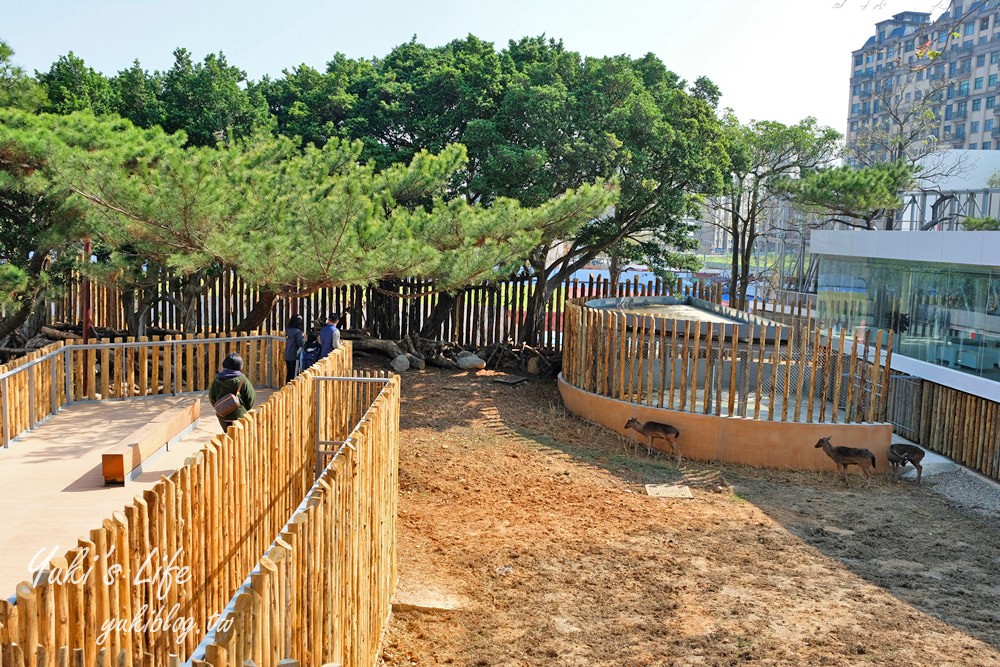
773 59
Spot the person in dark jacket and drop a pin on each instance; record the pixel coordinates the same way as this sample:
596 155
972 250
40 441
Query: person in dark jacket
230 380
294 342
329 335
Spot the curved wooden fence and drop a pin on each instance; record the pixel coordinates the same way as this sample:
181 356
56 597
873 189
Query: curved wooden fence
755 368
146 584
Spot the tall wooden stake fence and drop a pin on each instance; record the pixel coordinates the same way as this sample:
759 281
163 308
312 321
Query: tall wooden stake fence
755 369
148 582
480 316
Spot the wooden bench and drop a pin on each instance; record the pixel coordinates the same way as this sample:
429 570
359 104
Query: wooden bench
121 459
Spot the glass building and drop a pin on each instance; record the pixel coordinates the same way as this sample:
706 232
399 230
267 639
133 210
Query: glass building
938 291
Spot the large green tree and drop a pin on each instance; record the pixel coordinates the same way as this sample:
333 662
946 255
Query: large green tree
760 154
71 85
537 120
851 196
210 100
17 89
41 224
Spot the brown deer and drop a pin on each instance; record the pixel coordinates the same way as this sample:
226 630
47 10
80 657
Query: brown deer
845 456
656 430
900 454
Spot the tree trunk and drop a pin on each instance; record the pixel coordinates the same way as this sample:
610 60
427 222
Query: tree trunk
614 271
534 316
259 313
734 271
431 328
27 302
191 291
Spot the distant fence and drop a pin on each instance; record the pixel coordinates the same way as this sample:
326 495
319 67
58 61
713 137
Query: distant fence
479 316
756 369
216 516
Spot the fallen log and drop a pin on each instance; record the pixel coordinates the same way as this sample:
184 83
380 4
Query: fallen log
56 334
386 347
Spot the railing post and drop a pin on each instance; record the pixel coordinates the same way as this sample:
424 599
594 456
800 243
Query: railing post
52 387
31 396
176 366
319 407
68 373
4 385
269 342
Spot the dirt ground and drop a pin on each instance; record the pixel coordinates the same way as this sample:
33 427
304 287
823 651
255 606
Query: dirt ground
541 523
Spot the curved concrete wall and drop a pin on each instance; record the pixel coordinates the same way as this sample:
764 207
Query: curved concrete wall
764 444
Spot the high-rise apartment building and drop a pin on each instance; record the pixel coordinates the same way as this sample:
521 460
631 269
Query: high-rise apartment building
919 84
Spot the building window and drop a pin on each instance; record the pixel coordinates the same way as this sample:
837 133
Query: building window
908 45
988 125
977 83
920 75
993 80
974 127
855 109
973 147
977 105
981 60
859 59
991 102
984 24
963 88
968 28
995 57
987 145
854 126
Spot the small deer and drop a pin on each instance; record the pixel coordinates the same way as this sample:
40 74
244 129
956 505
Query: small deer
656 430
900 454
845 456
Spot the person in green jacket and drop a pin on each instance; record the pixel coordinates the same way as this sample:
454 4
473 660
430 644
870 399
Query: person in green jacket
230 380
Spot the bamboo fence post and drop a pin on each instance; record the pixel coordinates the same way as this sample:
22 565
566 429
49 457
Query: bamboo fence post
621 354
673 359
826 370
732 370
886 377
745 397
686 348
143 365
650 361
851 415
876 367
762 344
707 392
28 611
775 365
695 352
837 378
720 350
812 375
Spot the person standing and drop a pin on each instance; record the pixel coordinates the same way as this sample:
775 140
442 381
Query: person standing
229 383
329 335
294 342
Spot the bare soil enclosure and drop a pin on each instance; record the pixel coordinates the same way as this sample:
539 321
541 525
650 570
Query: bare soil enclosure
541 523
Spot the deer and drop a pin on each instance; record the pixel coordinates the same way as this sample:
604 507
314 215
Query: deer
900 454
656 430
845 456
